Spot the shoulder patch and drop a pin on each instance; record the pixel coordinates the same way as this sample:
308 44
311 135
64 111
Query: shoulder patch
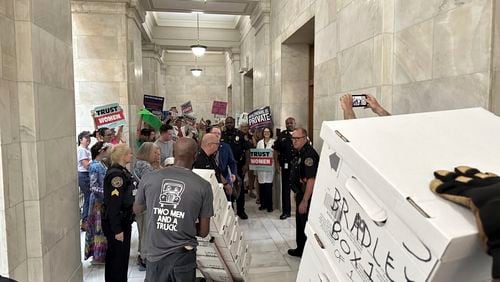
117 181
309 161
115 192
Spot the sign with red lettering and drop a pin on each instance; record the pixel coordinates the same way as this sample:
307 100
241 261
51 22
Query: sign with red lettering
219 108
110 115
187 107
154 104
261 159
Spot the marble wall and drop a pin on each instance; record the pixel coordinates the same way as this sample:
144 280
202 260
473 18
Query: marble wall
182 86
413 56
39 219
495 97
442 55
100 57
107 59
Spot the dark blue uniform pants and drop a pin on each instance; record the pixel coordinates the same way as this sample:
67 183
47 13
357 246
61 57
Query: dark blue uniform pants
117 255
285 191
300 222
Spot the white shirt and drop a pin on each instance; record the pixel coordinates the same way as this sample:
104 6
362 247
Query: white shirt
265 176
82 154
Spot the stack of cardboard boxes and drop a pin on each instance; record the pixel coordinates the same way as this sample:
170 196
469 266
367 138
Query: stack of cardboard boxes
373 216
223 255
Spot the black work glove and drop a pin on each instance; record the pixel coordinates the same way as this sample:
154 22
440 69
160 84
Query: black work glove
480 192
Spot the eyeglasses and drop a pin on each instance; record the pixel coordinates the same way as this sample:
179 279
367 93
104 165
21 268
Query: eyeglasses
297 138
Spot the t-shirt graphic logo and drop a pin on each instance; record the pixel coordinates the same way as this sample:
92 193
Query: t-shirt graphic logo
171 191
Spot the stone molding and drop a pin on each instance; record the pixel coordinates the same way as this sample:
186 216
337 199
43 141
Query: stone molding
234 54
130 8
261 15
99 7
152 51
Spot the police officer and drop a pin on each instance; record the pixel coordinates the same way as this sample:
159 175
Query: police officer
205 159
303 175
284 149
241 153
119 187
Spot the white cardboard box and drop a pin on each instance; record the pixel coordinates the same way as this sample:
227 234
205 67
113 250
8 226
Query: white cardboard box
372 208
216 274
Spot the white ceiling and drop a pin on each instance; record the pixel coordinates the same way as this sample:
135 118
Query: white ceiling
226 7
189 20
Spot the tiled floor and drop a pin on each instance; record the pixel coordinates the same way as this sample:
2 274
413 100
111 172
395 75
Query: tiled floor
269 239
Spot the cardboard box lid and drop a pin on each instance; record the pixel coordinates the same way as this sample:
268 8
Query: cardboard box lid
395 158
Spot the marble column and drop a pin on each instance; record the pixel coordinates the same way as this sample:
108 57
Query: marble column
151 69
39 216
107 58
233 78
262 61
495 95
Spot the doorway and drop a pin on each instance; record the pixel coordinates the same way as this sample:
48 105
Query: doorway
248 91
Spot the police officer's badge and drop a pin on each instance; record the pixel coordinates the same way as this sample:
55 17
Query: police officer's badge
309 161
117 181
115 192
237 138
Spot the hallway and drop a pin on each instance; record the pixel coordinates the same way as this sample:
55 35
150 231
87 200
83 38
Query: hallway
268 238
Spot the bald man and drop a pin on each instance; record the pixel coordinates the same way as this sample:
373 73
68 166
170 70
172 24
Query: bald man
205 159
176 198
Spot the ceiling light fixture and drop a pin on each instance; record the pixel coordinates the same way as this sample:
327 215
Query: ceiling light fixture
196 71
198 49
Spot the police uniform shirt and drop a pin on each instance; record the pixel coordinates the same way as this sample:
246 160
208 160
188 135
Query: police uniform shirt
309 160
118 197
236 139
304 166
203 161
285 148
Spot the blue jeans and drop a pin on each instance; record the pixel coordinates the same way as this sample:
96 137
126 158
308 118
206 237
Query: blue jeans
84 184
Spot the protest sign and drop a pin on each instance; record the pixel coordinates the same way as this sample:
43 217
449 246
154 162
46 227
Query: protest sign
219 108
240 118
154 104
110 115
261 159
260 118
187 107
174 112
189 119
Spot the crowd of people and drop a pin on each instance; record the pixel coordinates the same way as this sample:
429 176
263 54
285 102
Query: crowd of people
170 204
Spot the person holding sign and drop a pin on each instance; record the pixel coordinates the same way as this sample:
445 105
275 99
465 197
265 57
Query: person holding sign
265 178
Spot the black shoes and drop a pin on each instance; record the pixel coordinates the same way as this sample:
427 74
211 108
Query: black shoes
242 215
284 216
295 253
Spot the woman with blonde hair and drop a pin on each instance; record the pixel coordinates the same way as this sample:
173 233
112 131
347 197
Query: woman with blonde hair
148 160
119 188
